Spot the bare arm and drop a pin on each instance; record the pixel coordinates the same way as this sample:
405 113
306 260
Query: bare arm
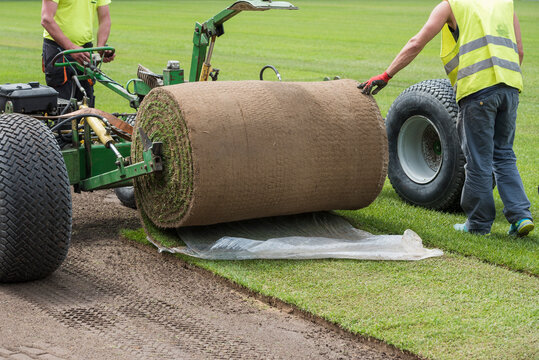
48 10
441 15
518 37
103 14
103 32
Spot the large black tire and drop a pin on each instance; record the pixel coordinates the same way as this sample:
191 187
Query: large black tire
426 163
126 194
35 200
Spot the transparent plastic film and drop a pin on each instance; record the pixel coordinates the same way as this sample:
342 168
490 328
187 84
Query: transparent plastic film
306 236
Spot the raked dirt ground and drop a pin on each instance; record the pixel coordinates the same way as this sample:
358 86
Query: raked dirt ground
114 299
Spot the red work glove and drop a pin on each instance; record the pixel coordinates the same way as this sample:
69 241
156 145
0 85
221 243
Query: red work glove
380 81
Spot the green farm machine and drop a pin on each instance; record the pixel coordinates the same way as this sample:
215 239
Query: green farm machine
48 144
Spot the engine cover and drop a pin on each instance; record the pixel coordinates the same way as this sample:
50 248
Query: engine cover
28 98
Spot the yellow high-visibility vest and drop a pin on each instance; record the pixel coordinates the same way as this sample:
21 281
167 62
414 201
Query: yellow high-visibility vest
485 52
76 19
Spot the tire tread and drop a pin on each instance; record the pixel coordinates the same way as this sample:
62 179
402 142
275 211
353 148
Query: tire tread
35 200
442 91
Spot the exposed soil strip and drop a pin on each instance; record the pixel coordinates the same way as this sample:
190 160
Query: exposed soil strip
115 299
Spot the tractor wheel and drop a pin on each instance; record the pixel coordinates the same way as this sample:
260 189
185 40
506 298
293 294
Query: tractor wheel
126 194
35 200
426 164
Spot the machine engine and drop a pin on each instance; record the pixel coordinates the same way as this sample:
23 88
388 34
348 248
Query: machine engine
30 98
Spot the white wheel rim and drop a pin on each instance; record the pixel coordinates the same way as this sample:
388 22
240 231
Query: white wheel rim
419 148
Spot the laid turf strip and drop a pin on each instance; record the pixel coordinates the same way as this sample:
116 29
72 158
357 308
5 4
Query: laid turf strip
452 307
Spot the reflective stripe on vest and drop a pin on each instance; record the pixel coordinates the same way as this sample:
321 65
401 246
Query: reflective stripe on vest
479 43
485 64
485 52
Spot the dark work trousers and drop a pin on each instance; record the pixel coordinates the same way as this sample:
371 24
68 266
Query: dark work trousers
60 78
486 125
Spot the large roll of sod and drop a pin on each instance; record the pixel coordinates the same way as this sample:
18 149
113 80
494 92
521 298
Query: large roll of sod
251 149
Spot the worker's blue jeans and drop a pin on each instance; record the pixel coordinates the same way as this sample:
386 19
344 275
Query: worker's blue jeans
486 125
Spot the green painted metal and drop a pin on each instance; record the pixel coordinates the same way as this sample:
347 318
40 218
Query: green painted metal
139 87
200 45
108 179
102 159
173 77
201 39
214 26
99 167
72 161
94 73
107 170
103 79
151 163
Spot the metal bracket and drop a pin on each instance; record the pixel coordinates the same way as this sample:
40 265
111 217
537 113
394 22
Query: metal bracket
214 27
152 162
146 142
261 5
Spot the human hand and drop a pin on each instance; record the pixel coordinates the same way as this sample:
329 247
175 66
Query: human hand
108 56
82 57
380 81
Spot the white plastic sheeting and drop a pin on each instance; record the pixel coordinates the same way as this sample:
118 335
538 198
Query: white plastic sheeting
305 236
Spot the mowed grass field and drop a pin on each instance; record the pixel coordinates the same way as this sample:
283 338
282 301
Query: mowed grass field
480 300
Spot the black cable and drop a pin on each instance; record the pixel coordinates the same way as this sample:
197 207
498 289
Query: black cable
76 117
63 140
68 106
272 68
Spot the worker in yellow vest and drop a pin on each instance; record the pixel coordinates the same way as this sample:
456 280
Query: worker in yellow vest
68 25
481 53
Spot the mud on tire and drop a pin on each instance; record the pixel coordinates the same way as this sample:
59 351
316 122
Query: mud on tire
426 164
35 200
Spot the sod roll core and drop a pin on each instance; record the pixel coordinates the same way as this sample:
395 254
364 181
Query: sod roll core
252 149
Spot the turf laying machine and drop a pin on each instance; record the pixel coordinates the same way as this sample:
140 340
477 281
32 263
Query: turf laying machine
48 144
203 152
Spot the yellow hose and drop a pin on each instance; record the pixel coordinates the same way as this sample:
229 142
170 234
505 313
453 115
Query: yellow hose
97 126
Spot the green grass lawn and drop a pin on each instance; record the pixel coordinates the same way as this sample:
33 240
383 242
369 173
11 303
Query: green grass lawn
469 304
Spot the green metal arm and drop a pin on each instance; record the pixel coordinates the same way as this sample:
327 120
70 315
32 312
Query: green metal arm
97 167
214 27
74 51
151 163
93 72
103 79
